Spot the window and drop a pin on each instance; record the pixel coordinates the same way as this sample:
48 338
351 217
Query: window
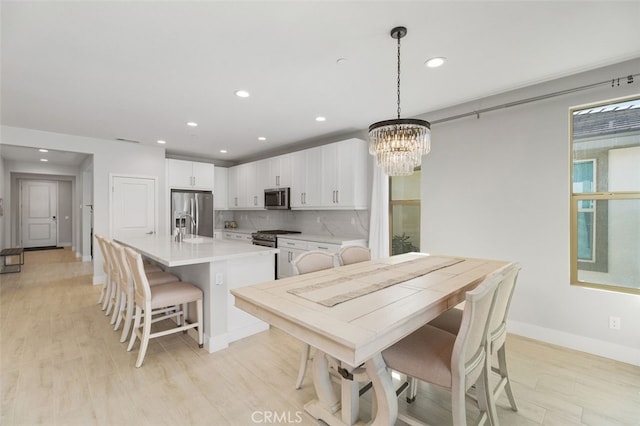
404 213
605 195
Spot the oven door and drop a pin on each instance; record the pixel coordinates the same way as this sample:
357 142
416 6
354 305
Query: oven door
263 243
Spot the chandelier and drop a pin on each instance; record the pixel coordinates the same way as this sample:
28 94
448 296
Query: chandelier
399 144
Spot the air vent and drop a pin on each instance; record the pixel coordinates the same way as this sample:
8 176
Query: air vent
127 140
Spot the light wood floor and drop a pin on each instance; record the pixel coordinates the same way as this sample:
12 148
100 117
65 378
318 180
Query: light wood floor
61 364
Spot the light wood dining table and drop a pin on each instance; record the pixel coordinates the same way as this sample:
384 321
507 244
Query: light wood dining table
351 313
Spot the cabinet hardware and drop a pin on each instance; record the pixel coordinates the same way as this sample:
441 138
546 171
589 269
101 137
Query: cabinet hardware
337 196
323 248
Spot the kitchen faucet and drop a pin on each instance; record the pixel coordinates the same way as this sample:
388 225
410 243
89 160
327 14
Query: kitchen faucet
192 229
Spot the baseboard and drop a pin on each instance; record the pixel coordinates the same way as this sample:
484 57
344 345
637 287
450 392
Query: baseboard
86 258
64 244
573 341
99 279
246 331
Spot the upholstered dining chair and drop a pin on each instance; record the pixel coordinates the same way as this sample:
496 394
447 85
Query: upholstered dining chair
353 254
147 299
455 362
124 300
105 291
451 321
307 262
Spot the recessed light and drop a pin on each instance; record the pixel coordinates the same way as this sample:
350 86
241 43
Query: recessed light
341 61
435 62
223 151
43 150
242 93
320 118
262 138
161 142
44 159
192 124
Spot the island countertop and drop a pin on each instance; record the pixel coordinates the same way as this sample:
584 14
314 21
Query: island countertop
165 250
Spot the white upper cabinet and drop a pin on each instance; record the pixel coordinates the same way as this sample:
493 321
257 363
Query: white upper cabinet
344 175
221 188
248 181
232 188
190 175
306 178
279 173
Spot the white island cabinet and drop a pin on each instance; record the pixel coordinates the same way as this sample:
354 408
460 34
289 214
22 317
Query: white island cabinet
217 267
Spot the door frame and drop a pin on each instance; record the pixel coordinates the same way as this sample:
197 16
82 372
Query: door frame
20 229
112 176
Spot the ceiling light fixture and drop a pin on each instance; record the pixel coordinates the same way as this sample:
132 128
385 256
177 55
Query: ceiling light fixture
320 118
43 150
192 124
242 93
223 151
44 160
399 144
262 138
435 62
161 142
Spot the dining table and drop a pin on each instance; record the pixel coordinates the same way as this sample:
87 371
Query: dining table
351 313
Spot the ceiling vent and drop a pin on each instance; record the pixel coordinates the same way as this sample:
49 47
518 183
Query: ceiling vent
127 140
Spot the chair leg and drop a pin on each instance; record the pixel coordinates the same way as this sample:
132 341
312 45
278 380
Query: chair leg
136 326
200 323
458 408
302 370
144 340
121 310
484 393
504 375
102 292
107 292
413 389
116 306
128 314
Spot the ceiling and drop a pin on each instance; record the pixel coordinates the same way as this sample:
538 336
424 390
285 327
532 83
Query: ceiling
142 70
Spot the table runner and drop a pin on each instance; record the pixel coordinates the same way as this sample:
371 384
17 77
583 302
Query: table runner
330 291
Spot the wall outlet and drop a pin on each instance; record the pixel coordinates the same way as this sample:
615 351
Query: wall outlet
353 220
218 278
614 323
318 219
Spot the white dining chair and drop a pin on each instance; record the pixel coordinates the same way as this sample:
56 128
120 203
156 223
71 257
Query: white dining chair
353 254
451 321
307 262
147 299
104 292
454 362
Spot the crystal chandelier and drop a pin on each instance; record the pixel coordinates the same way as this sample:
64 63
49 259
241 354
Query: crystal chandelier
399 144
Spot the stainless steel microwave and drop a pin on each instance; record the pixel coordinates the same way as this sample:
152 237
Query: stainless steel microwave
277 199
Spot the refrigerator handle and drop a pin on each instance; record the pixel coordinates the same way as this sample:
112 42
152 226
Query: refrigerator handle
196 212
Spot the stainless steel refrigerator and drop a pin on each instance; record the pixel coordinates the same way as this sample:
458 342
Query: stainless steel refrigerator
193 210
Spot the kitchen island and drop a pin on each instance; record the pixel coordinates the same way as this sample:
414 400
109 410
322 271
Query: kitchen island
217 267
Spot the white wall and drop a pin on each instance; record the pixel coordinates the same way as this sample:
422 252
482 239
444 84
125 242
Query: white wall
498 187
109 156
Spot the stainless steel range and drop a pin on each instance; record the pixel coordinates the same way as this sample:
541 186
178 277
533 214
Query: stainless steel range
269 238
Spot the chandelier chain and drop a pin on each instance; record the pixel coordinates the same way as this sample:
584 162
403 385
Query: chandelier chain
399 77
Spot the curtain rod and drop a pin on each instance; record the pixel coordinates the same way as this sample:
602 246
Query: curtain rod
536 98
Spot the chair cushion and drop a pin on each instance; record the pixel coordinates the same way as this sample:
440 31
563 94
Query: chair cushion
174 293
425 354
155 278
149 267
449 321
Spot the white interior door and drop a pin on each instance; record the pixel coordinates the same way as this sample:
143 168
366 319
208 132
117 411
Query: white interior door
38 213
133 206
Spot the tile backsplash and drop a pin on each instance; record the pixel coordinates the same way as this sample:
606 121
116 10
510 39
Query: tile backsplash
341 223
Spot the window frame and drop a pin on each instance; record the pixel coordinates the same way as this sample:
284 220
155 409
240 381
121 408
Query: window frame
576 197
392 203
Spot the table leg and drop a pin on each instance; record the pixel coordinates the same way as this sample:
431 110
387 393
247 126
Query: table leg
322 382
350 401
386 400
